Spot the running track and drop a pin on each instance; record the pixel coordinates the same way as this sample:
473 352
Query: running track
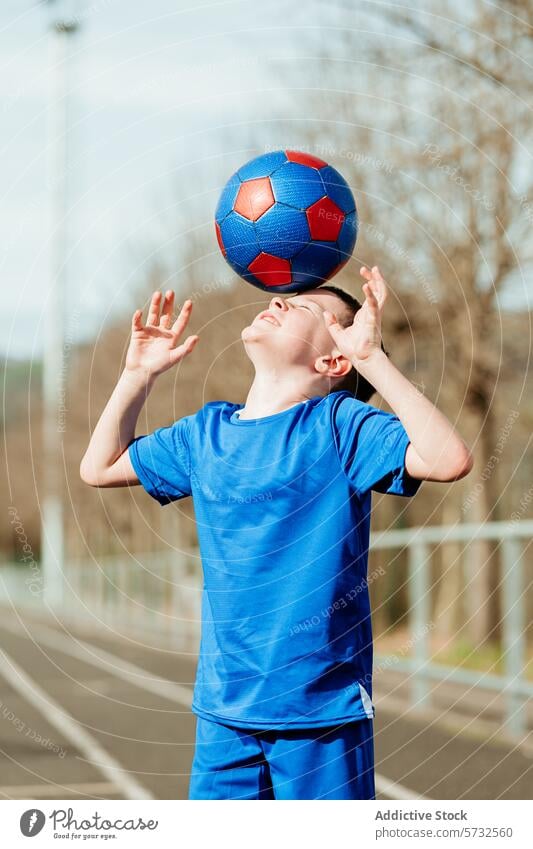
90 714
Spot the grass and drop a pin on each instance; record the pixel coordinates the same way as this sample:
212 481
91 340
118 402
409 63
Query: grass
485 658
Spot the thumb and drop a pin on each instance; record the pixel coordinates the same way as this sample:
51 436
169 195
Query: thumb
177 354
330 320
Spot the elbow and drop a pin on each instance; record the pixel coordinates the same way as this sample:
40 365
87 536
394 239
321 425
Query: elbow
463 465
87 474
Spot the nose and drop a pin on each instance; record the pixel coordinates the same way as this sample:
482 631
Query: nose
278 303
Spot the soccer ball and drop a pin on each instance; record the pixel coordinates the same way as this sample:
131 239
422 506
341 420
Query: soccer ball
286 221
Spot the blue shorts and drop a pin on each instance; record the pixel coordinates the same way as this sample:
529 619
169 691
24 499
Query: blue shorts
334 762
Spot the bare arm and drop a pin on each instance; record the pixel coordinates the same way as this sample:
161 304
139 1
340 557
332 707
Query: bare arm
436 452
153 350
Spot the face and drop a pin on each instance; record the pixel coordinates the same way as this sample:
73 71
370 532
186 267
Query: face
292 332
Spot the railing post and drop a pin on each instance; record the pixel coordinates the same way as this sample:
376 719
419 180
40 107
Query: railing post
177 612
420 612
513 634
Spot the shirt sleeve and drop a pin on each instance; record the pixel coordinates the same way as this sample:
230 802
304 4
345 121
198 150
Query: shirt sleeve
371 445
162 462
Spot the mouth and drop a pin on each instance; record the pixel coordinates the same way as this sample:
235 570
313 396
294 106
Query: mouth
267 316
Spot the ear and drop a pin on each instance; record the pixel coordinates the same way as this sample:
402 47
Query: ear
333 365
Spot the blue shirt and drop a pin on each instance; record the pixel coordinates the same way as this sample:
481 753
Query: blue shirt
282 506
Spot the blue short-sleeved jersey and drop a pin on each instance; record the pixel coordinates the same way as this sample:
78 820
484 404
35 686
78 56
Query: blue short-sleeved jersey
282 505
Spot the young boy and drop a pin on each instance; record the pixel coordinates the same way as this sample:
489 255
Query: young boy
282 494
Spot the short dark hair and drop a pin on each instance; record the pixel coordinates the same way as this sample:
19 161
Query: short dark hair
352 382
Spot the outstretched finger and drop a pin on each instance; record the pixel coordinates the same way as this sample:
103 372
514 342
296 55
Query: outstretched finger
371 299
153 312
380 291
376 273
380 283
166 312
136 322
182 319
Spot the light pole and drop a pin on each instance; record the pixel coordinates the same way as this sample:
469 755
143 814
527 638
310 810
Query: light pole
54 370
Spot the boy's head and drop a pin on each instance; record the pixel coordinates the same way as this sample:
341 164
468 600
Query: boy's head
291 336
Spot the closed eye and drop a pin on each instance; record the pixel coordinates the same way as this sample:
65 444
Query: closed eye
302 306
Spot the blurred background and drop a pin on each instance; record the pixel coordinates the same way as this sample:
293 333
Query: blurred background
122 122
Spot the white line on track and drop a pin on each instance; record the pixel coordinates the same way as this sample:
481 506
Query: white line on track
112 664
57 791
393 790
139 677
67 726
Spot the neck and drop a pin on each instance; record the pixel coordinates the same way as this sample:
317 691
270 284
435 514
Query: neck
270 394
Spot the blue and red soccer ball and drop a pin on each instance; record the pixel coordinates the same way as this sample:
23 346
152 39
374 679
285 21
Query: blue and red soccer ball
286 221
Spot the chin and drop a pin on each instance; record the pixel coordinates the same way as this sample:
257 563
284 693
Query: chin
245 332
251 333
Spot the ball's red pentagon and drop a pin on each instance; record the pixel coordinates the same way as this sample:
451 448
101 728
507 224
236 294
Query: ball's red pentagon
304 159
219 239
285 219
325 220
254 198
271 270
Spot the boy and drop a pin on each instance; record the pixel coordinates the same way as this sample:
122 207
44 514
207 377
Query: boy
282 493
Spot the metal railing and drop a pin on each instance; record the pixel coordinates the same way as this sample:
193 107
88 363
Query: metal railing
514 586
161 593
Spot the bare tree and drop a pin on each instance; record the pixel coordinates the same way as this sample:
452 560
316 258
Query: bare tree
430 121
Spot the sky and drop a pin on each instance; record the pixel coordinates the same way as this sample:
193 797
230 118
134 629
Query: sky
165 100
151 95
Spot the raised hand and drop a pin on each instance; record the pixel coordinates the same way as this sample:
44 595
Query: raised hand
363 337
153 347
